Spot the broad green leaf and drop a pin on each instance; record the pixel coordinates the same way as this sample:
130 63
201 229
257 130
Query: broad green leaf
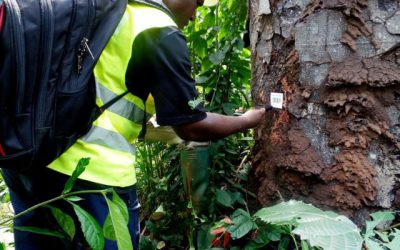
262 236
201 47
242 224
108 229
383 235
323 229
80 167
273 232
90 227
64 220
224 198
120 225
229 108
372 245
209 19
2 245
395 242
121 205
382 216
204 237
237 197
377 218
217 57
41 231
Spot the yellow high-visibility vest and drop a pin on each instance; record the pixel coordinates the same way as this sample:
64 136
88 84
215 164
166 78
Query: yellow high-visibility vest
110 143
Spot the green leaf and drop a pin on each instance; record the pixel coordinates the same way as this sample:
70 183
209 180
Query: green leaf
217 57
121 206
284 243
204 237
2 245
323 229
377 218
261 239
201 79
242 224
108 229
304 245
64 220
120 225
80 167
383 235
41 231
194 103
395 242
252 245
74 198
224 198
382 216
230 3
372 245
229 108
90 227
237 197
274 235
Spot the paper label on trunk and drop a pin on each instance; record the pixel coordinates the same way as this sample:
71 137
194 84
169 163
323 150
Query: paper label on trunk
277 100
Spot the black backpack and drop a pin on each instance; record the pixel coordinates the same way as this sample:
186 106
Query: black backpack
48 49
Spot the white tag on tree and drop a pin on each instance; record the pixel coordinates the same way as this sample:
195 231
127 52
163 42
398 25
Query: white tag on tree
277 100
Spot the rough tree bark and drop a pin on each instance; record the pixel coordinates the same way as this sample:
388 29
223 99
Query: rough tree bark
338 64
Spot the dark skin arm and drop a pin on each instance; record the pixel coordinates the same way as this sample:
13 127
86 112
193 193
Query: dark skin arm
216 126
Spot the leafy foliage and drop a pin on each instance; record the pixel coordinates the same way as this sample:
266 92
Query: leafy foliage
64 220
323 229
91 228
80 168
118 217
221 64
115 227
376 239
43 231
221 67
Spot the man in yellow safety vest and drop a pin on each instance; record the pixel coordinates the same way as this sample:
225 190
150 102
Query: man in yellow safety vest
148 56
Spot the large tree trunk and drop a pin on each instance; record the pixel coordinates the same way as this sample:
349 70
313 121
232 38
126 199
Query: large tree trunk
338 64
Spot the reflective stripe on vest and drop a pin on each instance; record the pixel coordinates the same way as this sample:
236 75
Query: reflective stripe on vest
110 142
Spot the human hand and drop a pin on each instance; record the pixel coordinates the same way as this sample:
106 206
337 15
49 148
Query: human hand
252 117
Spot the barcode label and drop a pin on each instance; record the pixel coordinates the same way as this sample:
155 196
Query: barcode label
277 100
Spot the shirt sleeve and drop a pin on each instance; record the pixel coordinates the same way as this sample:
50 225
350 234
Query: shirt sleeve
160 65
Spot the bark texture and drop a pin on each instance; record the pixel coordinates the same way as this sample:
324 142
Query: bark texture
337 144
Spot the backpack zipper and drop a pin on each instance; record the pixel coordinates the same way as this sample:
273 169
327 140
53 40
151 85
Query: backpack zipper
101 41
45 60
18 44
84 45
